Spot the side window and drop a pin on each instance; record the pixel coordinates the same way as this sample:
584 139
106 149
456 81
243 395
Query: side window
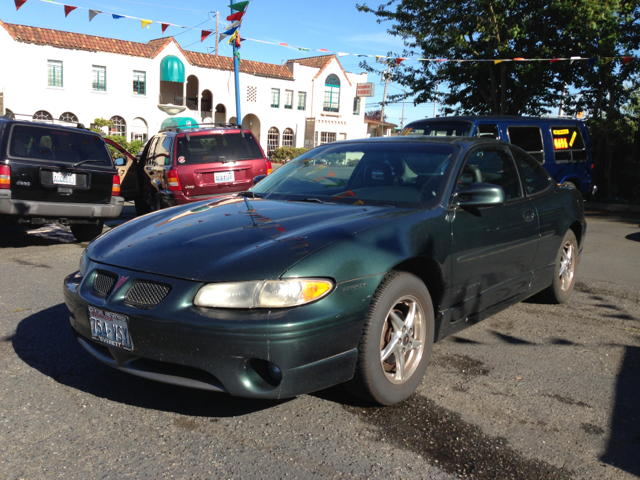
536 178
568 145
487 130
163 151
529 139
492 165
152 150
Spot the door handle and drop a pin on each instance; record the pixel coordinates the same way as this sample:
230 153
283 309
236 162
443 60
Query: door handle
528 215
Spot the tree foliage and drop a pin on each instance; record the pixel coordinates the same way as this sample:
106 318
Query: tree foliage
374 115
508 29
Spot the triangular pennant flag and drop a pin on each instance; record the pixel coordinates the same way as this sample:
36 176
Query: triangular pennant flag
444 60
164 27
323 50
342 54
283 44
117 17
378 57
146 23
607 60
93 13
518 59
19 3
235 17
495 62
204 34
399 60
553 60
591 62
238 7
232 25
232 38
222 37
68 9
304 49
626 60
230 32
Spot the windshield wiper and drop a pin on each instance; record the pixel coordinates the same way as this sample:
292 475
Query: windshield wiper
77 164
249 194
312 200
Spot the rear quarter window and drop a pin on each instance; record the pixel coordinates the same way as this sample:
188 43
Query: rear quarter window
568 144
528 138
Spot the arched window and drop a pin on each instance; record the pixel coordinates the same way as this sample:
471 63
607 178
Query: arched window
119 126
273 140
68 117
287 137
42 116
139 129
332 94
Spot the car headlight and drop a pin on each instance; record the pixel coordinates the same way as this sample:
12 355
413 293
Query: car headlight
84 263
263 293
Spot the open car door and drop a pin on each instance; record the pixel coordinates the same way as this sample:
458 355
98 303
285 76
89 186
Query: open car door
129 185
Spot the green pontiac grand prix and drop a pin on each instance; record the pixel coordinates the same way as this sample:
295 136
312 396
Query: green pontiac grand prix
343 266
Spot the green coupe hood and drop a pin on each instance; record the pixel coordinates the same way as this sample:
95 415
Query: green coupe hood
230 239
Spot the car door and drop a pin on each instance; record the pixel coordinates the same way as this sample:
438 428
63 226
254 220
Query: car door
128 173
493 248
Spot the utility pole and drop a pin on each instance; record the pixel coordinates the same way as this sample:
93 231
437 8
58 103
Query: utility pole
564 92
435 103
384 97
402 118
217 20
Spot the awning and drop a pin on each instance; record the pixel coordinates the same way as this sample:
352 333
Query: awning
178 122
172 69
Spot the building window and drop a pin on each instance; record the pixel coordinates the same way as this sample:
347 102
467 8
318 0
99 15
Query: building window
139 83
54 73
343 136
332 94
287 137
327 137
288 99
119 127
273 140
275 98
42 116
99 83
68 117
302 100
139 130
356 106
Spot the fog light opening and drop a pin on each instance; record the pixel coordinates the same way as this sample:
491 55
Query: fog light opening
269 372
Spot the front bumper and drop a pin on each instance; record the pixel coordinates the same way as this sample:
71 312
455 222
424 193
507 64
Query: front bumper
57 210
313 346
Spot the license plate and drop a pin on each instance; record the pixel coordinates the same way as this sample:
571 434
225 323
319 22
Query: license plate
110 328
62 178
224 177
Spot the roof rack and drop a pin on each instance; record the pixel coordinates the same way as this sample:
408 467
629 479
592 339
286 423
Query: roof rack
200 125
22 117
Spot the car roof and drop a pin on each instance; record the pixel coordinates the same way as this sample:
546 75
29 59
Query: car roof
203 127
502 118
49 125
461 141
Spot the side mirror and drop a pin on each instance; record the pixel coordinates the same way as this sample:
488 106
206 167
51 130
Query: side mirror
258 179
479 195
120 162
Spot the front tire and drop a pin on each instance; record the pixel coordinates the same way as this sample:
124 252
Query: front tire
85 232
564 276
396 343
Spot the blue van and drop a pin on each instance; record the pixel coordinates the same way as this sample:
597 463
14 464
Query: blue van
561 145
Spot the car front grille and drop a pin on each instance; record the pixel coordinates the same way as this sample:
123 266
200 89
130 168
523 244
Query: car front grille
145 294
104 282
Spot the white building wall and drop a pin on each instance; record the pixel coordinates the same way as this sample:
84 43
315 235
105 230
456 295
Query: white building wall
26 91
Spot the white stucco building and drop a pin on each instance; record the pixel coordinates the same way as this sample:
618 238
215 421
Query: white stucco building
68 76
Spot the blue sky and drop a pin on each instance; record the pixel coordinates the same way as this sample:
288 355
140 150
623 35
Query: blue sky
331 24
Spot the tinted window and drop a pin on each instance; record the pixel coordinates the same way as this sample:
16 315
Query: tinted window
438 128
536 178
487 131
228 147
529 139
410 174
42 143
568 144
491 165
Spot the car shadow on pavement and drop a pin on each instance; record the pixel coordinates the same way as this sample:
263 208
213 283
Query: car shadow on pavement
44 341
623 447
19 236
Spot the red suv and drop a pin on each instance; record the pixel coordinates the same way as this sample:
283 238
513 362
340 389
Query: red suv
182 165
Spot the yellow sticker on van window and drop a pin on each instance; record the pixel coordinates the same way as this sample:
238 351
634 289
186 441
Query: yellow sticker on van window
561 132
573 138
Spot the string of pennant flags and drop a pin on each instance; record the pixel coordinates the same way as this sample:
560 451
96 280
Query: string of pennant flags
232 31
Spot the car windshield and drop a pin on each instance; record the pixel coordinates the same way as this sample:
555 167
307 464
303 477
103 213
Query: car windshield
66 146
221 147
399 174
439 128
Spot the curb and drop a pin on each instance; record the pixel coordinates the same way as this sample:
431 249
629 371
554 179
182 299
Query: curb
612 207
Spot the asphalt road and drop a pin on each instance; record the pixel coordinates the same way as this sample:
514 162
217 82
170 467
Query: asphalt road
535 392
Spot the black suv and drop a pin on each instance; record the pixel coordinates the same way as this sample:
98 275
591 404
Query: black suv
182 165
51 173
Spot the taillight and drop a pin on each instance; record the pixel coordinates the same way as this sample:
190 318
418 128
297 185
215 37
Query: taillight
269 167
5 176
173 180
115 189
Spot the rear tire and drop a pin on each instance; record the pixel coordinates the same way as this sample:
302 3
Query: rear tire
569 184
396 342
85 232
564 275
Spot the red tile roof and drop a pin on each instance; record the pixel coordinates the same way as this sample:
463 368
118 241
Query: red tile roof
151 49
320 62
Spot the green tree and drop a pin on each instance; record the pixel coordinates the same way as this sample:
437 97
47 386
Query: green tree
506 29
